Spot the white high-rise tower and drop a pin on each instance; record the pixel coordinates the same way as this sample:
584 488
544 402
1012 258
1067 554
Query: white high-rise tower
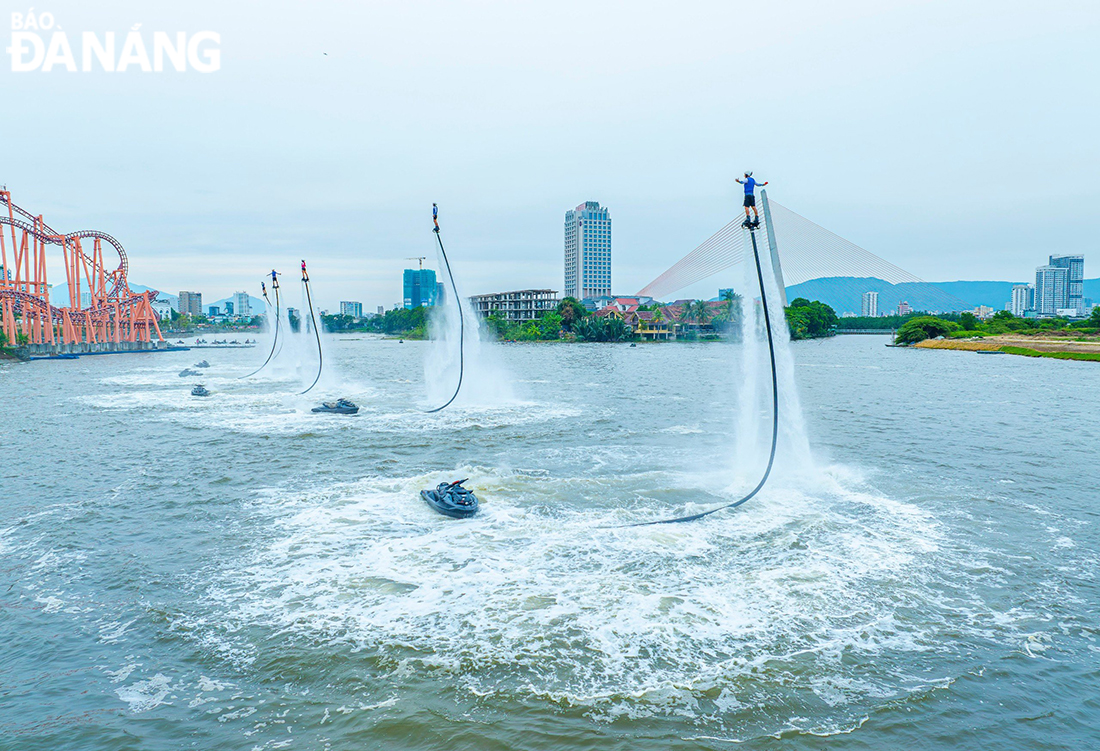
587 251
870 304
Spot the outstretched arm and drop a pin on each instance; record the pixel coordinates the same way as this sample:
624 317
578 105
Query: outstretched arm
764 183
738 179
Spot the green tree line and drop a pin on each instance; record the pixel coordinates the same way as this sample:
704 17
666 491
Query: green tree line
962 325
571 321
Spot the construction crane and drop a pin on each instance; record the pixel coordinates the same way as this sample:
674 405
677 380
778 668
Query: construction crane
418 258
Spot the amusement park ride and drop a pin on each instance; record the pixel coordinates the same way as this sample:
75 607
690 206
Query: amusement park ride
101 309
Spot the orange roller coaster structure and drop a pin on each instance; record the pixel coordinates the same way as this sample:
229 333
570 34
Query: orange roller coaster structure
101 307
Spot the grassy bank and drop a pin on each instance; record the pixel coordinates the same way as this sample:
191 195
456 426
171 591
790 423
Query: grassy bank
1026 352
1058 349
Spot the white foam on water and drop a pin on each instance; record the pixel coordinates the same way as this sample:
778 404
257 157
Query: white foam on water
142 696
532 597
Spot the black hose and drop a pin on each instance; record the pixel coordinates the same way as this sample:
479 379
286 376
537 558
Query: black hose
316 331
461 325
275 340
775 410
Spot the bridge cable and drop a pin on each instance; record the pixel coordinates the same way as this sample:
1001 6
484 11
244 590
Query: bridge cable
461 323
775 411
275 287
316 331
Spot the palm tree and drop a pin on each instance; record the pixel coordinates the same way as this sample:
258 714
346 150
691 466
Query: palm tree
729 297
701 312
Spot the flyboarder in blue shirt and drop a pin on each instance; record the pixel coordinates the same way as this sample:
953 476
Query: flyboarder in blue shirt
750 199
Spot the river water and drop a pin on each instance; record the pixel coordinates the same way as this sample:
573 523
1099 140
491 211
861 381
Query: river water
238 573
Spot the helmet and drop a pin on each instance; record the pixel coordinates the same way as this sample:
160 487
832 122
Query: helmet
748 173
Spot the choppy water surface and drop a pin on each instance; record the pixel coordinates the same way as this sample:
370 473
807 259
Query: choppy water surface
238 573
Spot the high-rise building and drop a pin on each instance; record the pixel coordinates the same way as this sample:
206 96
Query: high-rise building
419 288
228 308
1023 299
351 308
1051 289
381 310
1075 280
242 304
904 308
587 251
190 303
870 304
213 311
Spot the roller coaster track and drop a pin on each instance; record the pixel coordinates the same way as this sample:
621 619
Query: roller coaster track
115 313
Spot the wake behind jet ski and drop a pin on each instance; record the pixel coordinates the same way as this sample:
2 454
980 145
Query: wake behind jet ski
200 390
338 407
451 499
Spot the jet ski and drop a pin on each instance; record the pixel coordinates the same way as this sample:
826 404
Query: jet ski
188 372
202 364
338 407
451 499
200 390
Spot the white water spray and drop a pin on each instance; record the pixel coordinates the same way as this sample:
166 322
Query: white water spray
485 382
754 389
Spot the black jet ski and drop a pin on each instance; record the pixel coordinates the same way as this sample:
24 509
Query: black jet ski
186 372
451 499
202 364
338 407
200 390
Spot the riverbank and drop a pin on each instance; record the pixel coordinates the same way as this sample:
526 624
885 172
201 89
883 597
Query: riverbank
1027 346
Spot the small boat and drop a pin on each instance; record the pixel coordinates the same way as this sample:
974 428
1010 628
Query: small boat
202 364
451 499
338 407
186 372
200 390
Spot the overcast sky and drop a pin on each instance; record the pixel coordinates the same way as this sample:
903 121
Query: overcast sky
956 139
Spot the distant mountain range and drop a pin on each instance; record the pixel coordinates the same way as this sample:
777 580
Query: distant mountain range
845 293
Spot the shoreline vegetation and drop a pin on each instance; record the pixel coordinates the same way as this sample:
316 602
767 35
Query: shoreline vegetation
1054 338
684 320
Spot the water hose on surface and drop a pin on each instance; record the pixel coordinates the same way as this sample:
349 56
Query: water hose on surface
316 331
775 410
461 323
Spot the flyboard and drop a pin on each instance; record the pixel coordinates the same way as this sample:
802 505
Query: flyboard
275 341
751 228
458 304
316 330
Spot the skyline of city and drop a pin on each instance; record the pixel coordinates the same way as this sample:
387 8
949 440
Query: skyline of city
1022 298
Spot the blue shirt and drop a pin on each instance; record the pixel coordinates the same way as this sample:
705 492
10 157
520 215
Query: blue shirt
749 185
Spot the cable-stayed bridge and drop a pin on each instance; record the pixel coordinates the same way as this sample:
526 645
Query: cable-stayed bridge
804 251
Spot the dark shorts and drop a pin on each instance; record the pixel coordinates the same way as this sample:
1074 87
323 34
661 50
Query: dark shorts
750 200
